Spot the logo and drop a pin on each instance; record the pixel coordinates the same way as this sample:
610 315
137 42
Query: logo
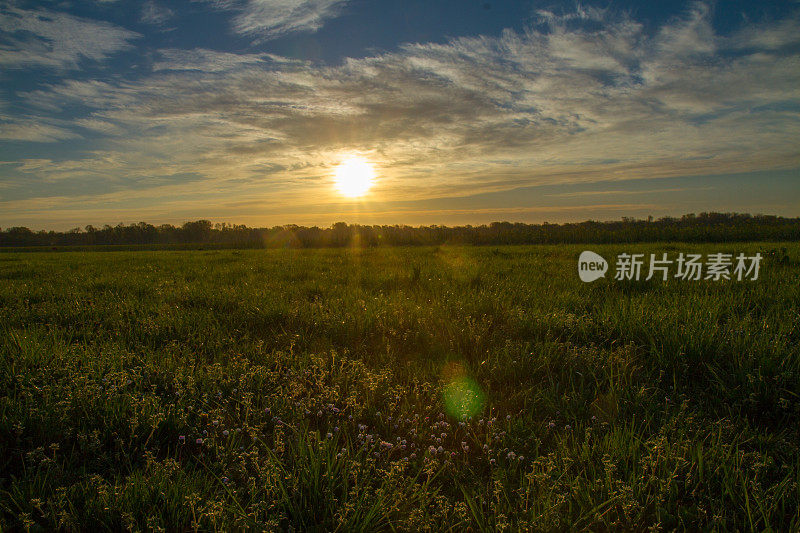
591 266
686 266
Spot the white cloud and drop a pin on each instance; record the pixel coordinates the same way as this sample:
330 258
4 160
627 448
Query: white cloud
153 13
205 60
56 40
268 19
27 129
604 101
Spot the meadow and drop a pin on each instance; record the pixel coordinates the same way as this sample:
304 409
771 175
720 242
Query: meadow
395 388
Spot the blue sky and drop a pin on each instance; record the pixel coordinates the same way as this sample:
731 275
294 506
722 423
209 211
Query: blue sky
469 111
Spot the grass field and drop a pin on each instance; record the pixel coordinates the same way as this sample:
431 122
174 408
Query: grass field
395 389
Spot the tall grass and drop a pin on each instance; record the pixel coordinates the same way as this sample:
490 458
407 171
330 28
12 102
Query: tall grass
406 389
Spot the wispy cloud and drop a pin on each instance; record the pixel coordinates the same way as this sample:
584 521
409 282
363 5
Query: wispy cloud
153 13
56 40
582 97
268 19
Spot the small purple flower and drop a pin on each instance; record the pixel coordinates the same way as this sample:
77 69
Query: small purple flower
551 425
413 456
225 433
225 480
199 441
329 435
568 427
182 439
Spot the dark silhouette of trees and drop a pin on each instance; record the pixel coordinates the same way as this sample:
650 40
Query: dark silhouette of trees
705 227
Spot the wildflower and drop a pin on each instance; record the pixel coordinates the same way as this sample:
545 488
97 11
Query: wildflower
199 441
492 462
215 422
267 410
336 429
413 456
329 435
205 433
508 417
225 433
440 449
182 439
511 455
568 427
225 480
551 425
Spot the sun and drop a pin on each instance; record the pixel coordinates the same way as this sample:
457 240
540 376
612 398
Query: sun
354 176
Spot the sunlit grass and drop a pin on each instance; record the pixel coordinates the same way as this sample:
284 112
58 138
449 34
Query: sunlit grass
396 388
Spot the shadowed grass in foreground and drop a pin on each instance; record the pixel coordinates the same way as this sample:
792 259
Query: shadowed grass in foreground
395 388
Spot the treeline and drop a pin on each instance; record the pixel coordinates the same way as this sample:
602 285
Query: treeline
705 227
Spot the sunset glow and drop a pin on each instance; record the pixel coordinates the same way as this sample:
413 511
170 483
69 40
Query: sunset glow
354 177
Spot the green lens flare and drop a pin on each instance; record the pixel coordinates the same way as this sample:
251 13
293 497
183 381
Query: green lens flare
463 398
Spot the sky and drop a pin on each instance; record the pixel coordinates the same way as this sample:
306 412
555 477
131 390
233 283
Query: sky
468 111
